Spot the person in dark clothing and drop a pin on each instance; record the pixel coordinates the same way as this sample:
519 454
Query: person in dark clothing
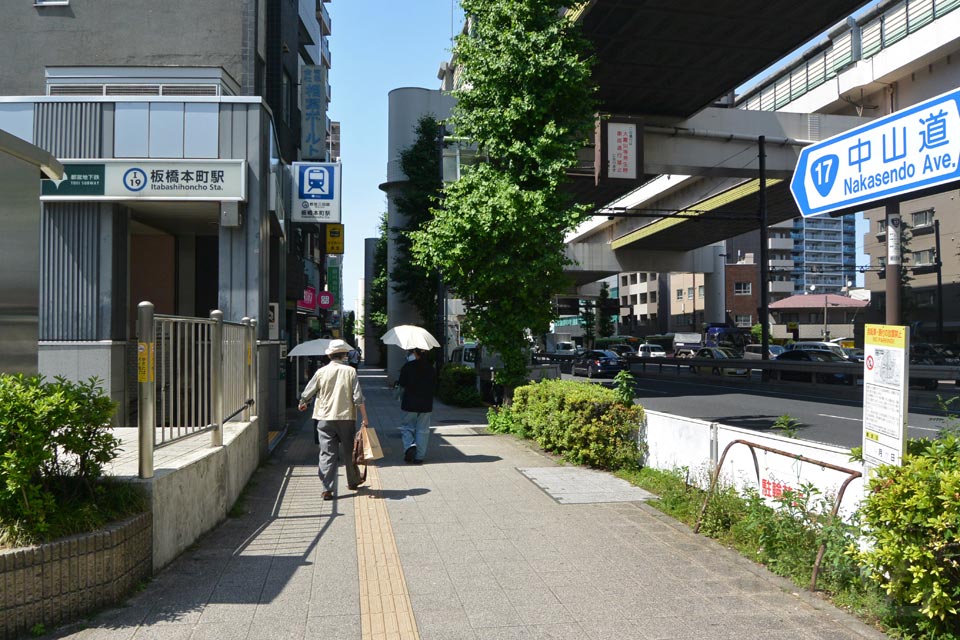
418 382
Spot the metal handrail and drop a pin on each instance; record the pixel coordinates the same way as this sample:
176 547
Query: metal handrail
853 474
183 389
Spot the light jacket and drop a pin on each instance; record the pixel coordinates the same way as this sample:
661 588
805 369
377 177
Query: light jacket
338 392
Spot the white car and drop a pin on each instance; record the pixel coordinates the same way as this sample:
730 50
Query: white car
650 350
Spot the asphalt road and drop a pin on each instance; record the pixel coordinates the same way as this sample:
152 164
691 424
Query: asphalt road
827 413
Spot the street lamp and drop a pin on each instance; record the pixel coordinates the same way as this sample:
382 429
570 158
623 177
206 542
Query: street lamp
813 288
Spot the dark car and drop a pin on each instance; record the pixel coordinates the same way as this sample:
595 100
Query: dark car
598 363
623 350
854 354
817 356
718 354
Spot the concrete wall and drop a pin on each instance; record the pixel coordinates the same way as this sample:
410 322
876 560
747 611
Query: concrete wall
128 33
192 497
676 442
19 265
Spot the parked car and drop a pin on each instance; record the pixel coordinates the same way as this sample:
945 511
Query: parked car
718 354
818 346
853 354
623 350
755 351
650 350
599 363
816 356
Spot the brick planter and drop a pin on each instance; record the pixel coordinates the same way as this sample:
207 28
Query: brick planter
59 582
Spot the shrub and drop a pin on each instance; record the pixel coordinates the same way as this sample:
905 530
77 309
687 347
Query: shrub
458 386
913 549
55 441
583 423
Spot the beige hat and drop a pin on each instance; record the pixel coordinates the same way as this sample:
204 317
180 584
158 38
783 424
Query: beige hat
338 346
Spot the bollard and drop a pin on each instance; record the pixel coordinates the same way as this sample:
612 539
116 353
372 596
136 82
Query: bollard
216 377
146 387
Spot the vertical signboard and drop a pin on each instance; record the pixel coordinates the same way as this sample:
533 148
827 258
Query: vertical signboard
886 370
309 300
622 150
334 239
316 192
313 112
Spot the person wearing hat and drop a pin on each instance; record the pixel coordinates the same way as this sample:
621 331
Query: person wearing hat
338 394
418 383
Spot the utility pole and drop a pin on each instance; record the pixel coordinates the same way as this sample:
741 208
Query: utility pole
939 263
764 256
893 263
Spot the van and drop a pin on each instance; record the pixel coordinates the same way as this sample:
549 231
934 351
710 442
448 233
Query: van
819 346
649 350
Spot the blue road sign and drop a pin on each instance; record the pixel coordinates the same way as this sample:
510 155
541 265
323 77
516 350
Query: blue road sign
911 149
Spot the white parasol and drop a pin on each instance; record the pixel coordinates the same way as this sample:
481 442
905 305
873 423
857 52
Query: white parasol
408 336
316 347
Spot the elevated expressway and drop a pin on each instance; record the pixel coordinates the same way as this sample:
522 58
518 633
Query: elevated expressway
667 65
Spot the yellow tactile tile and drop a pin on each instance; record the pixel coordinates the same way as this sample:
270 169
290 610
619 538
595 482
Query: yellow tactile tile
385 610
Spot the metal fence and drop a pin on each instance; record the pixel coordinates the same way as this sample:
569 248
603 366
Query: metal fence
193 375
894 23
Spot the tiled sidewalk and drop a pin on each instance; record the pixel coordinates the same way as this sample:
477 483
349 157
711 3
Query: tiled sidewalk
468 542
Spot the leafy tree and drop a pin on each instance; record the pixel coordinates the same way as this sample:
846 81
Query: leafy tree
527 102
376 307
605 326
756 333
420 162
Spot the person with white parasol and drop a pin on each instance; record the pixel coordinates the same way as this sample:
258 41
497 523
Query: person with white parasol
418 382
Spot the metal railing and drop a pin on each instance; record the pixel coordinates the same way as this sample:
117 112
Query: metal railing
860 42
193 375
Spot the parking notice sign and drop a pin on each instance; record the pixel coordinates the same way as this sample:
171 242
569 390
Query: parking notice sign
885 409
316 192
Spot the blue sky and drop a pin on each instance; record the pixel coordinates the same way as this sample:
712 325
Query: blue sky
377 46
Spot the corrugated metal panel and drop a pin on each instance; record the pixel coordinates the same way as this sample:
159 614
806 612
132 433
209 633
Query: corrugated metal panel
69 271
69 129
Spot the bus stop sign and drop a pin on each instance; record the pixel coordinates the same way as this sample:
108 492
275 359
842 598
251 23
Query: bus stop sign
912 149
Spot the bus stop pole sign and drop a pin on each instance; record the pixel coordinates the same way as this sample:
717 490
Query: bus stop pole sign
912 149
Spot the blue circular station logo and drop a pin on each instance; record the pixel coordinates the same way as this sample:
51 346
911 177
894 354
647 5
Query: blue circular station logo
135 179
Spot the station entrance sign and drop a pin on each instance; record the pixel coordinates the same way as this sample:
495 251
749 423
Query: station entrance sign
909 150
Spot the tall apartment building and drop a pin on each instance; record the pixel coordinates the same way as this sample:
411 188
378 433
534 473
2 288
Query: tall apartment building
824 254
640 300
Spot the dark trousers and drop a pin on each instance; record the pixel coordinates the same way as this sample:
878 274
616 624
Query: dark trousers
336 436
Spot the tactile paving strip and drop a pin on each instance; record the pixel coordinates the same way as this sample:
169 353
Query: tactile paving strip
385 609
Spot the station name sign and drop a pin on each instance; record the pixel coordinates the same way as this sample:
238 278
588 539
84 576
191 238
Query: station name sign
909 150
109 179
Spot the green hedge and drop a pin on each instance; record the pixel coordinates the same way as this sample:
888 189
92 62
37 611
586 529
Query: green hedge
911 519
458 386
583 423
55 440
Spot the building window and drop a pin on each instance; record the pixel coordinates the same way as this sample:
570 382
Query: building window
924 257
883 263
633 299
679 294
814 318
633 278
743 320
643 298
623 280
922 218
742 288
882 225
653 297
623 301
700 292
643 277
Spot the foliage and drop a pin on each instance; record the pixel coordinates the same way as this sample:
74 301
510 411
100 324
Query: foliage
624 387
376 307
605 326
526 102
787 425
583 423
55 440
350 327
420 192
458 386
756 333
913 550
